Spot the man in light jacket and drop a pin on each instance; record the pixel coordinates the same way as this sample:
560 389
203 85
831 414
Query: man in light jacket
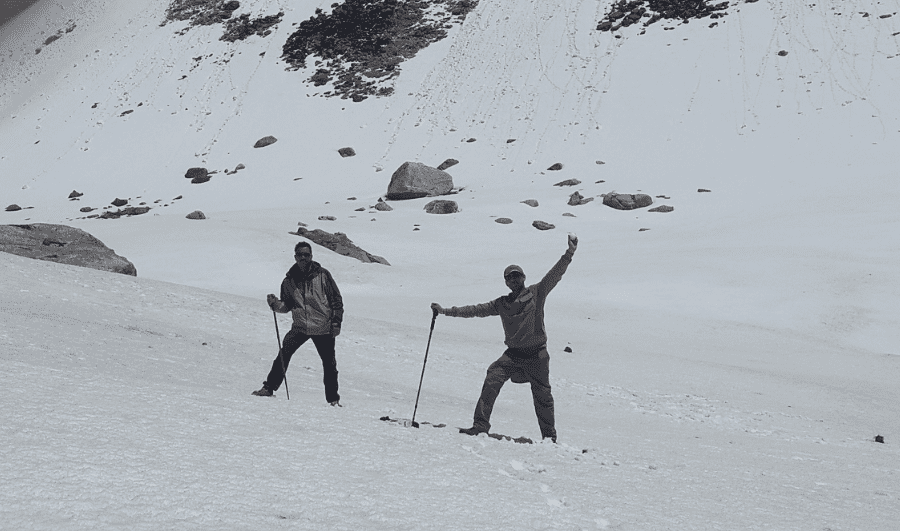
526 359
309 292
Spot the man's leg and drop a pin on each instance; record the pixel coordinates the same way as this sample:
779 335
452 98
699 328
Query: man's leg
292 341
497 374
539 376
325 346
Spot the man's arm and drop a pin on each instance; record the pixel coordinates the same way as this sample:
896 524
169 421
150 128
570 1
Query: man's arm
486 309
287 301
552 278
336 302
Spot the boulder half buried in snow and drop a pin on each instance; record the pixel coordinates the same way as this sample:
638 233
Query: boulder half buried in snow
62 244
627 201
414 179
442 206
339 243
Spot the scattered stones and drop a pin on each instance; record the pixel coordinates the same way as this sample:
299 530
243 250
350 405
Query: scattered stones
339 243
662 208
567 349
200 12
879 439
442 206
627 201
470 140
624 13
542 225
196 215
556 167
530 202
381 206
701 190
13 208
568 182
577 199
75 194
347 152
62 244
600 162
265 141
119 202
503 221
86 209
510 140
327 218
414 179
782 53
448 163
360 209
569 214
193 173
239 167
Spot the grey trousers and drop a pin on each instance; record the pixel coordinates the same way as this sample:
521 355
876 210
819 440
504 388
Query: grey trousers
534 370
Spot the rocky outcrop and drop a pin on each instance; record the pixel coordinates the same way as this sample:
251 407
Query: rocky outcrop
442 206
577 199
627 201
339 243
530 202
542 225
13 208
448 163
196 215
414 179
555 167
347 152
62 244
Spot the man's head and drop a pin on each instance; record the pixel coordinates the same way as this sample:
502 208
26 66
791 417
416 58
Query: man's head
303 254
514 277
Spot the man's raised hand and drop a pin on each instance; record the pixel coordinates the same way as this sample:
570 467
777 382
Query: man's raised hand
573 243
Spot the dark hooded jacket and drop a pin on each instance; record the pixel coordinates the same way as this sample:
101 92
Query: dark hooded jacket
313 298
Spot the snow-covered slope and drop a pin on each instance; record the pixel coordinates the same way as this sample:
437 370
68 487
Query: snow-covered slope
760 317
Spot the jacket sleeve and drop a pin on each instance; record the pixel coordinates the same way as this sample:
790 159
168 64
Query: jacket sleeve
287 302
334 300
552 278
486 309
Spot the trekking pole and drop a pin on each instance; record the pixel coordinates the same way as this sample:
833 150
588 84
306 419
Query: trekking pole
433 319
283 370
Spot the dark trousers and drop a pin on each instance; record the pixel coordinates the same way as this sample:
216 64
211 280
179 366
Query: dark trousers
534 370
324 344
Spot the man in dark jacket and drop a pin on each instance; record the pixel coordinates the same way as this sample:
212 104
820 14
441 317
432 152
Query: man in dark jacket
309 292
526 359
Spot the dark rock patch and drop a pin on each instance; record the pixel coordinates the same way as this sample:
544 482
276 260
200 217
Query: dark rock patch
503 221
627 201
624 13
75 194
569 215
556 167
265 141
414 179
361 43
239 28
782 53
86 209
119 202
879 439
530 202
448 163
542 225
442 206
577 199
62 244
13 208
568 182
339 243
381 206
642 230
200 179
193 173
196 215
662 208
510 140
347 152
702 190
200 12
327 218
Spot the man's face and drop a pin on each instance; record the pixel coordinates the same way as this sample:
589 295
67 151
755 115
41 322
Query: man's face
303 256
515 281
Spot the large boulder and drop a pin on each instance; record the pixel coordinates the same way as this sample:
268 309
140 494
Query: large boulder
414 179
62 244
339 243
627 201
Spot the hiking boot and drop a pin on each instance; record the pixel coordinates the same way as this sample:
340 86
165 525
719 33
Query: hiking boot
551 439
336 403
263 392
474 430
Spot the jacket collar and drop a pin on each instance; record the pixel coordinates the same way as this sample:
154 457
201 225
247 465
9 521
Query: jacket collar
296 275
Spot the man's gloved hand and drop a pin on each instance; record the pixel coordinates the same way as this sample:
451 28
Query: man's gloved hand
335 329
573 243
435 307
271 299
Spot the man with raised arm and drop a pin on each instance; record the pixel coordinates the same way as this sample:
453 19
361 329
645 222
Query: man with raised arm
526 358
